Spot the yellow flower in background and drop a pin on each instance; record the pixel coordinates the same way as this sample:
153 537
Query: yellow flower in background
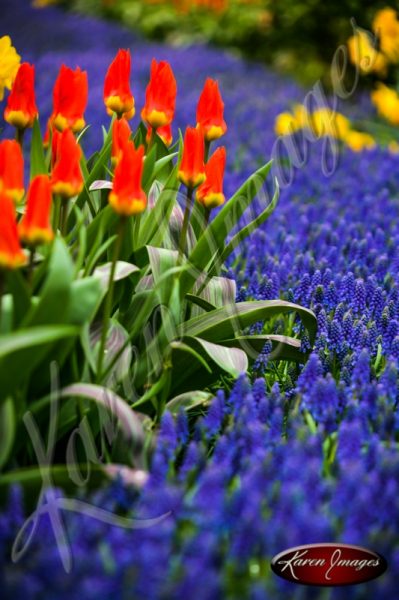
393 147
327 122
287 123
386 26
358 141
324 122
365 56
9 64
386 101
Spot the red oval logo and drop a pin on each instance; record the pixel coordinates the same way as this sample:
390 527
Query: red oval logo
328 564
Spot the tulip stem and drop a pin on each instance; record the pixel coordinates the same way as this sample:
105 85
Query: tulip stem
206 217
31 265
19 136
136 231
186 218
207 148
1 295
109 298
56 214
152 138
64 216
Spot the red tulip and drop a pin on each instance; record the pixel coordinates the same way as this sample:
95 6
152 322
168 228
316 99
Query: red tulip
67 180
210 111
12 169
165 133
11 254
70 99
210 193
192 169
160 96
121 133
127 196
34 227
118 96
21 109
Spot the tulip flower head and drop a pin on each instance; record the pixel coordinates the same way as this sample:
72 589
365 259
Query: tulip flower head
127 196
165 133
21 109
34 227
70 96
67 180
160 96
210 111
12 170
192 168
210 193
118 97
121 133
11 254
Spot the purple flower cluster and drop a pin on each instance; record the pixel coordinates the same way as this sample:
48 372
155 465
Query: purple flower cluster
311 458
247 486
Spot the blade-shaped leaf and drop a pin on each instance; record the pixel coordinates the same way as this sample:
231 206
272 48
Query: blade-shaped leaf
127 418
100 184
232 360
7 429
283 347
213 239
37 158
122 270
189 400
228 322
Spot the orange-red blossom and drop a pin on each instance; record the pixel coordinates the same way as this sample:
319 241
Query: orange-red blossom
11 169
127 196
121 133
11 254
192 168
21 109
67 179
210 193
70 96
210 111
118 97
34 227
160 96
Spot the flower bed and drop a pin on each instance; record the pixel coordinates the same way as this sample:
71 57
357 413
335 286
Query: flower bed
301 456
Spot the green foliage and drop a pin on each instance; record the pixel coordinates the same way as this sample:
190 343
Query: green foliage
78 358
299 38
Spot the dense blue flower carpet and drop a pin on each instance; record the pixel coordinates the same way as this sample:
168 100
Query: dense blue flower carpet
313 459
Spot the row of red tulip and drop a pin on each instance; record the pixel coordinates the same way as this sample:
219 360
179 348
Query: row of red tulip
127 197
